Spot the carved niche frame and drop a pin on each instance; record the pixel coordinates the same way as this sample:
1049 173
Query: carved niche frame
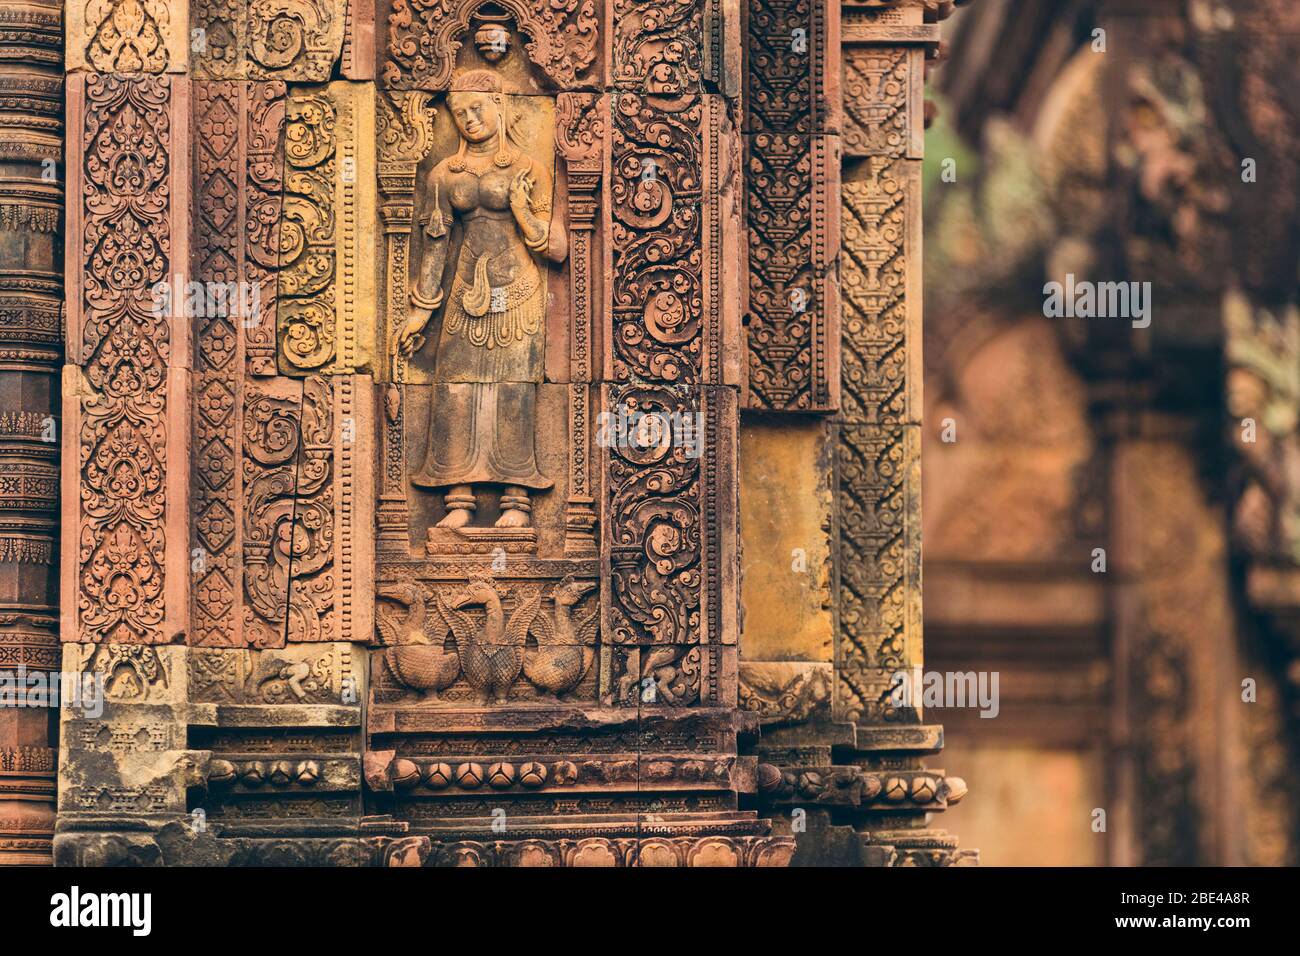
417 61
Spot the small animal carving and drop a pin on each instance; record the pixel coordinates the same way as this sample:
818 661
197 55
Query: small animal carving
492 655
273 675
658 665
563 655
416 650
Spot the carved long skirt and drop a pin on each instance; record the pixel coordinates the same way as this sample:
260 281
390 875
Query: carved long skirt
483 424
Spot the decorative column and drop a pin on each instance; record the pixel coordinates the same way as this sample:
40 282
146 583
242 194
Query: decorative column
31 290
836 122
884 46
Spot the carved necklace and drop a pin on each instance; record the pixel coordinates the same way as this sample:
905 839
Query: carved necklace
504 158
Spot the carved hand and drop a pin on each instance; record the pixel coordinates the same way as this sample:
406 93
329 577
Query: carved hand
521 192
411 339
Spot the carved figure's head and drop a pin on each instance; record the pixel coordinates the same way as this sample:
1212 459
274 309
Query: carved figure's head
477 105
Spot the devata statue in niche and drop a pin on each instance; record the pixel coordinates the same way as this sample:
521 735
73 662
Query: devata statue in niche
488 206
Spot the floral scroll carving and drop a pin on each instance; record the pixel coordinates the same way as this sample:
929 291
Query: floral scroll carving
301 514
663 520
238 155
424 37
792 167
126 344
327 268
655 195
268 39
126 36
581 125
878 455
306 314
659 50
286 524
655 556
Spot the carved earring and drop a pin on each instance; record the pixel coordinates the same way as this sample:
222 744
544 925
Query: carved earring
504 159
457 164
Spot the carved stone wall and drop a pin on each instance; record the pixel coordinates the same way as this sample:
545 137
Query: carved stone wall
218 559
606 729
403 414
248 240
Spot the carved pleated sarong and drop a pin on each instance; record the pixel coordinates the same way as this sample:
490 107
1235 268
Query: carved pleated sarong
483 421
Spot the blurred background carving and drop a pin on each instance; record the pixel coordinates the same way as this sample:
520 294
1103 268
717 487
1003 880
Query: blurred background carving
1123 142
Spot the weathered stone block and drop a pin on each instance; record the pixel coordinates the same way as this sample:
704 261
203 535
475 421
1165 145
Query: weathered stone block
878 573
306 460
786 692
289 40
786 511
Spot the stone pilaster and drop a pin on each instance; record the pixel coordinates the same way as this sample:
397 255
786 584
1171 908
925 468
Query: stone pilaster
833 742
31 287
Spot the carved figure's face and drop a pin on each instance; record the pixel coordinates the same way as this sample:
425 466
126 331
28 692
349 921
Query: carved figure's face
476 115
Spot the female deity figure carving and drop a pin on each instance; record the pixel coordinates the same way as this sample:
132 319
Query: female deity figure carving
490 346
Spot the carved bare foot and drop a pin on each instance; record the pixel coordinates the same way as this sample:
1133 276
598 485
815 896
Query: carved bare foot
512 519
516 511
456 518
460 507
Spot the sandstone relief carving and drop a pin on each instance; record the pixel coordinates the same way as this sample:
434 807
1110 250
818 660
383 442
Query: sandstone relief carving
543 644
490 346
